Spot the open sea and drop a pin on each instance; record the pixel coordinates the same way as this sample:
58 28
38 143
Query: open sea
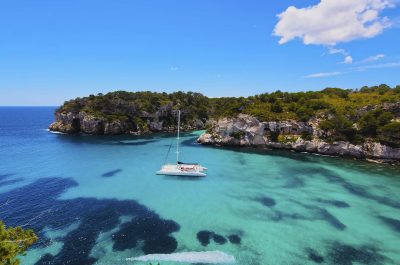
97 200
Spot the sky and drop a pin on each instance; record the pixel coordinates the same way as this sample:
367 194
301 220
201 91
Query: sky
52 51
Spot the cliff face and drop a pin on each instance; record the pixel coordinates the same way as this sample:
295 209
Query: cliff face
140 123
245 130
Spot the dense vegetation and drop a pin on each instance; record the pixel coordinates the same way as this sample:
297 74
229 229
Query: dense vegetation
14 242
344 114
124 105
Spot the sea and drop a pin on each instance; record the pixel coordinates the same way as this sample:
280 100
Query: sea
97 200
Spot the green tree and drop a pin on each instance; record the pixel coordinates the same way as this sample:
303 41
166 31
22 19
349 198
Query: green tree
340 127
326 125
390 133
317 104
345 127
304 114
14 242
384 118
277 107
368 124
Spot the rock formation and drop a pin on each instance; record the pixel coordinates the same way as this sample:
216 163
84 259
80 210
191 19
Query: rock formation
246 130
163 120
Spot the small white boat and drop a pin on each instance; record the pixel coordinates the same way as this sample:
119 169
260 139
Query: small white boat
181 168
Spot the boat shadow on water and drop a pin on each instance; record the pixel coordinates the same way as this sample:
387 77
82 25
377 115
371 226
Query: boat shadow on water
183 178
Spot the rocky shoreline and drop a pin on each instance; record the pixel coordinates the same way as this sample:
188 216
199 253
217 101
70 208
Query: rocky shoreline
247 131
145 123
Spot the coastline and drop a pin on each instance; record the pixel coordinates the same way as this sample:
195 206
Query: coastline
247 131
259 148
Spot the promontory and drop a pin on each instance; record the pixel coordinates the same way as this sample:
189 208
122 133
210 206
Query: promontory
361 123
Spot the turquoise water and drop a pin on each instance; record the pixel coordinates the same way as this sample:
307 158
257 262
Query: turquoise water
96 200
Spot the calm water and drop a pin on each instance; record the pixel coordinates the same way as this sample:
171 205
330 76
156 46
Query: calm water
96 200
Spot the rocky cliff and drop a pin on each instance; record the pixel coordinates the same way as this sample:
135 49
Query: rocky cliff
139 123
246 130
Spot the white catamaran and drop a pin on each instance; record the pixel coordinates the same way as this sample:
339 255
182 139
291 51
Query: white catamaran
181 168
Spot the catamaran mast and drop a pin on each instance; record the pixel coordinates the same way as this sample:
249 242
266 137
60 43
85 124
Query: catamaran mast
177 138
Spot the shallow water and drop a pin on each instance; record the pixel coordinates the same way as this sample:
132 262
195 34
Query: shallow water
96 200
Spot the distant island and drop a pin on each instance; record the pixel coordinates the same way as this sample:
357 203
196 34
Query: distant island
362 123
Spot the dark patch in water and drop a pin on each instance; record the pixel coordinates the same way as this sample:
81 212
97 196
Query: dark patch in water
219 239
234 239
278 216
314 256
361 192
150 229
341 254
189 142
294 182
266 201
111 173
185 178
4 176
36 206
355 189
10 181
133 143
332 220
124 140
318 214
393 223
339 204
5 180
204 237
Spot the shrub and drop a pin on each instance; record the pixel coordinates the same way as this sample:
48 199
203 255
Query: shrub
384 118
368 125
238 134
306 136
304 114
277 107
391 133
274 135
317 104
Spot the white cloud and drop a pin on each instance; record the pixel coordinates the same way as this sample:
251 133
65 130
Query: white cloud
317 75
352 70
333 21
174 68
378 66
373 58
333 50
348 60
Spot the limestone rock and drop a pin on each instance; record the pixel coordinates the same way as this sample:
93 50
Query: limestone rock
245 130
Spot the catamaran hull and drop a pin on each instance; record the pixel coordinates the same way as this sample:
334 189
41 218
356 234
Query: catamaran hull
187 174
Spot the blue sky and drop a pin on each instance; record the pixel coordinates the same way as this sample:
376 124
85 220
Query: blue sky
51 51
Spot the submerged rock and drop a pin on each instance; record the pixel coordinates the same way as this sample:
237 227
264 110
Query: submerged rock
204 237
234 239
314 256
266 201
219 239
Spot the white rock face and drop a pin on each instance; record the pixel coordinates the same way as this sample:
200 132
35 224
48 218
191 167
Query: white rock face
245 130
